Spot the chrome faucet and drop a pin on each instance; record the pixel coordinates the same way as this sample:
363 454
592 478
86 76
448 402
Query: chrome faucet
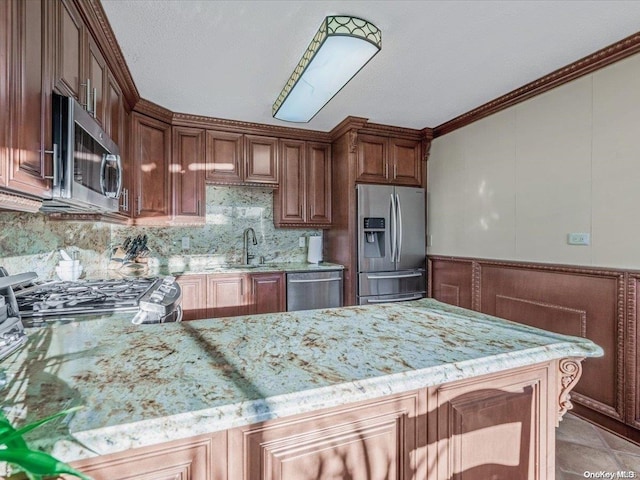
245 245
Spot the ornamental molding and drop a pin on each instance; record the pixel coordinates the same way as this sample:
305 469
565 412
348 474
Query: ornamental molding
570 373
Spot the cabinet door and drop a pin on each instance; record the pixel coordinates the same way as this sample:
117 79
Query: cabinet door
289 199
196 458
496 427
318 176
372 159
151 152
227 295
268 293
187 174
261 164
29 102
380 439
406 162
194 296
69 51
224 157
96 71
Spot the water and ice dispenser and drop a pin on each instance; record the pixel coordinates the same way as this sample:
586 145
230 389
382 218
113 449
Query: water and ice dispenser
374 237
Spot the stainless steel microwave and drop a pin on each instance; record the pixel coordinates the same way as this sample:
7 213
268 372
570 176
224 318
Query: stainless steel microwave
87 169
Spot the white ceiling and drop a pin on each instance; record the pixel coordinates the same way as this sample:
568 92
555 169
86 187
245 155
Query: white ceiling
439 59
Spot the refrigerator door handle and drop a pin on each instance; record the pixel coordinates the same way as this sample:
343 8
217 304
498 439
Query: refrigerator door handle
404 299
399 223
392 277
394 227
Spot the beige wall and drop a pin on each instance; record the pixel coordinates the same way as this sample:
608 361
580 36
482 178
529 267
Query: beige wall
513 185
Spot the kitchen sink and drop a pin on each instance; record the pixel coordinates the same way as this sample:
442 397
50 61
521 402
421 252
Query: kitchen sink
232 266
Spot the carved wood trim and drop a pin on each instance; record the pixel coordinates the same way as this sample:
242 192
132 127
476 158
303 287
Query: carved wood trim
622 49
349 123
18 202
476 286
570 372
237 126
95 17
353 141
632 396
154 110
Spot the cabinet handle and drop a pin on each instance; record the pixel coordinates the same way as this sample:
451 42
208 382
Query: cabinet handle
125 200
395 171
95 94
87 95
139 207
386 170
56 175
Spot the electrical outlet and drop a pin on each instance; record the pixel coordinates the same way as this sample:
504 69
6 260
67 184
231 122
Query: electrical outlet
302 242
579 238
186 243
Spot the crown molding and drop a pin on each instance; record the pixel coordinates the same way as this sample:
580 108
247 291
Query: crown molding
617 51
153 110
95 17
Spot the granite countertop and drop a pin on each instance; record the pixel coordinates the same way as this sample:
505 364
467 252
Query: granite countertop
148 384
199 268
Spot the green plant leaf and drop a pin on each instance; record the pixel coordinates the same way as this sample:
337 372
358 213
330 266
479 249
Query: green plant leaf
8 436
38 463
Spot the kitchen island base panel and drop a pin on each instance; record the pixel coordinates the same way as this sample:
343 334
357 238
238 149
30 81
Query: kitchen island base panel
499 426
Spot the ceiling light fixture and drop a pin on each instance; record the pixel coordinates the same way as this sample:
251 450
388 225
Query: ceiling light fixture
340 48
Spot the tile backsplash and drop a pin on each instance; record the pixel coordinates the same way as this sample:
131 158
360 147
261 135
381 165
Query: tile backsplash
31 242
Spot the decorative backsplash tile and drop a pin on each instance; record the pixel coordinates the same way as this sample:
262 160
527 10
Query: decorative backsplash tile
31 242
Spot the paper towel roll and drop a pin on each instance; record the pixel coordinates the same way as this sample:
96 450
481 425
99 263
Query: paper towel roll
314 253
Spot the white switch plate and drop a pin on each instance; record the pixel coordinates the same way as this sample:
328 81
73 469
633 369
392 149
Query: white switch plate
579 238
429 240
301 242
186 243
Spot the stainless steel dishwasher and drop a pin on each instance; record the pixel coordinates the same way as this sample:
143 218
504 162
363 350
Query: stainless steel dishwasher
309 290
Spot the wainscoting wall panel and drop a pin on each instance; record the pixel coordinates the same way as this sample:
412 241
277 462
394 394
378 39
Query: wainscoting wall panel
598 304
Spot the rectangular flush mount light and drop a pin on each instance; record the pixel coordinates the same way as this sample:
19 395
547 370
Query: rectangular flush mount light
342 46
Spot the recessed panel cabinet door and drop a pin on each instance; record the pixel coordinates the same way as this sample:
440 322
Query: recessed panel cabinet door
96 71
268 293
261 159
406 162
227 295
289 199
319 183
151 155
194 299
187 174
377 440
372 159
225 152
69 51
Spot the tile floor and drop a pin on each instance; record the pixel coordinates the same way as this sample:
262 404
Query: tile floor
582 447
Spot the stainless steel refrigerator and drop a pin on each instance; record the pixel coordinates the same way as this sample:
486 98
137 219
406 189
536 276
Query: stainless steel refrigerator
391 244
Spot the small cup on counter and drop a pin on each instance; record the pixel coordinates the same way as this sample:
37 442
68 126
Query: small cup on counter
69 270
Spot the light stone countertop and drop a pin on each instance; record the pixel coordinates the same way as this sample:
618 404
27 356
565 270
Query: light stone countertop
148 384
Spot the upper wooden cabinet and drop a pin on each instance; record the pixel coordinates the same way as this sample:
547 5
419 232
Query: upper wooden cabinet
151 155
25 96
235 158
304 196
188 175
69 52
388 160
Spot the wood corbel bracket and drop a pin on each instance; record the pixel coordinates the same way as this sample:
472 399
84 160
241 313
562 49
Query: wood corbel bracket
570 373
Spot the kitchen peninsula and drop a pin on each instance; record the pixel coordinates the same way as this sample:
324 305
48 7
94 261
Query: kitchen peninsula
412 390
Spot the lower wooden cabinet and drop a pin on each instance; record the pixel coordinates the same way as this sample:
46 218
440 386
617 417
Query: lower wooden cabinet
197 458
231 295
499 426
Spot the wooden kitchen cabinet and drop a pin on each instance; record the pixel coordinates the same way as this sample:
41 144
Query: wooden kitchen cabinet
238 159
194 296
376 439
151 155
268 293
70 45
227 295
187 175
304 196
26 96
197 458
96 71
389 160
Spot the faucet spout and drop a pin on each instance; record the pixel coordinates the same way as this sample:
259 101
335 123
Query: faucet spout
245 244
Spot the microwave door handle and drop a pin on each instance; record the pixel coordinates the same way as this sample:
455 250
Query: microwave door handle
119 164
103 167
392 208
400 226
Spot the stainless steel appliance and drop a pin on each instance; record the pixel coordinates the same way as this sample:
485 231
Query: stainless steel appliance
309 290
391 243
12 335
87 171
154 300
